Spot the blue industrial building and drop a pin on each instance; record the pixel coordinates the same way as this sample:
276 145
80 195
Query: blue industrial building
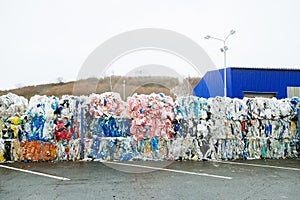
249 82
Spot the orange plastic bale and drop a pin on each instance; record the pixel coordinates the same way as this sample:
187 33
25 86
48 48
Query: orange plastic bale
31 150
48 152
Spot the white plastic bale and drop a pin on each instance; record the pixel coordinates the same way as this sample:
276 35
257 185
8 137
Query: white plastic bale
285 108
240 109
12 105
68 104
175 148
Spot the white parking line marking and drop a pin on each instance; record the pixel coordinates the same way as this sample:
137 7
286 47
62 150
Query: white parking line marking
258 165
169 170
36 173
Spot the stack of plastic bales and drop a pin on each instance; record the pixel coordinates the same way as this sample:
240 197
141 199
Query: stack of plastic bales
152 116
252 128
12 107
224 141
38 129
267 132
66 131
224 128
191 127
147 127
105 126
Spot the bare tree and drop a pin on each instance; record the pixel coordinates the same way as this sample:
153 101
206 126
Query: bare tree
59 79
19 85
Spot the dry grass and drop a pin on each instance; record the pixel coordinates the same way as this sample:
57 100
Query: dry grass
88 86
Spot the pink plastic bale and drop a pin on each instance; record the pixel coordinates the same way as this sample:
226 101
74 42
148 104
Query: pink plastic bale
152 112
106 104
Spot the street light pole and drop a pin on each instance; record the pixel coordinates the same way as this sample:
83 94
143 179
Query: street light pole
225 67
124 90
223 50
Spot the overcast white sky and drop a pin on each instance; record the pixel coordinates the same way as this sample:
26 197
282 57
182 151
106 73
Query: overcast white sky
43 40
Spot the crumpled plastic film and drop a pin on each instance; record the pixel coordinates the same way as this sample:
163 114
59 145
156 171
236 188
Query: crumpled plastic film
16 150
2 150
68 150
260 129
12 105
106 104
31 151
104 121
38 151
106 116
193 137
151 115
38 122
190 107
66 131
66 118
126 148
9 127
48 151
147 127
11 108
249 128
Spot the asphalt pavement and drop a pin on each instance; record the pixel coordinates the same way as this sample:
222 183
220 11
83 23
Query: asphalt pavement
243 179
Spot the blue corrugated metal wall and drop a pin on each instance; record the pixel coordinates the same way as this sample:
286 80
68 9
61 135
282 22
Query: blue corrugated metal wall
263 80
211 85
247 79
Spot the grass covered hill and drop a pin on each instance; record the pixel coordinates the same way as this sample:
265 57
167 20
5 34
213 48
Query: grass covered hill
114 83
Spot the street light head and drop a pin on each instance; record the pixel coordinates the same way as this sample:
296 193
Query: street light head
224 49
207 37
232 32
